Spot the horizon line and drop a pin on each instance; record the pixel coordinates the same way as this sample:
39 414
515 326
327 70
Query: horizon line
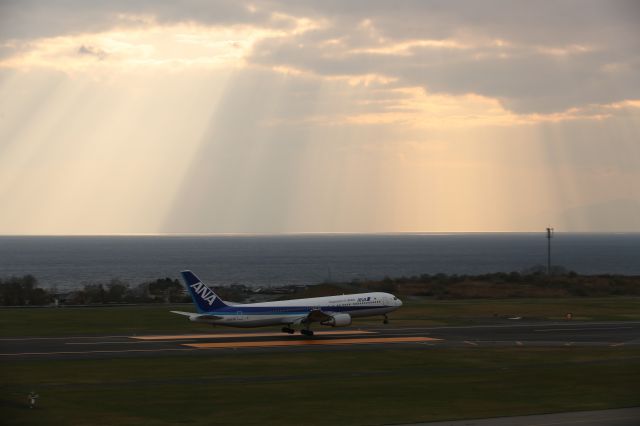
284 234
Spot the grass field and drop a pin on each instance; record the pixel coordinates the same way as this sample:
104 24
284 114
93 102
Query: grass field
417 311
319 388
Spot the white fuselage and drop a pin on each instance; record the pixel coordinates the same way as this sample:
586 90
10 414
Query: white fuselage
295 311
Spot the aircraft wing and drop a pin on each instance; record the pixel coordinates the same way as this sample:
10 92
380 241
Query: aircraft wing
334 319
317 316
195 317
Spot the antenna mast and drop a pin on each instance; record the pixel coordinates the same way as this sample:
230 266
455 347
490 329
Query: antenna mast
549 236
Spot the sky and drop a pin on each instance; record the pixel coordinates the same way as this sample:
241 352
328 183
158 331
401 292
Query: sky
147 117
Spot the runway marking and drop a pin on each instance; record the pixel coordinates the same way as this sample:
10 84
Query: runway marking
126 342
403 329
235 335
275 343
408 334
465 327
617 344
583 329
542 342
62 338
470 343
95 352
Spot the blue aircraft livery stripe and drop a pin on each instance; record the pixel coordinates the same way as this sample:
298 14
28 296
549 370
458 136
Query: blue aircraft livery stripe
288 310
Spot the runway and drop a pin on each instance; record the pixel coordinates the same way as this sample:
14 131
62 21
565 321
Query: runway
513 333
616 417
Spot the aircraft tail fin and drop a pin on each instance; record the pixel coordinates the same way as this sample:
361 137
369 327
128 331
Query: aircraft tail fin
203 297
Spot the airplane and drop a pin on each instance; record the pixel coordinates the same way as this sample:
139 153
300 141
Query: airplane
334 311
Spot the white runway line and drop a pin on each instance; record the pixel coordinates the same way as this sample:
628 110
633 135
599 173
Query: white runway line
583 329
96 352
62 338
127 342
241 335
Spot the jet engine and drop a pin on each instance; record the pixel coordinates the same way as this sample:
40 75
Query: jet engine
338 320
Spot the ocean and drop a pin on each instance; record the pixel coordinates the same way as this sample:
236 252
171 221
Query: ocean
272 260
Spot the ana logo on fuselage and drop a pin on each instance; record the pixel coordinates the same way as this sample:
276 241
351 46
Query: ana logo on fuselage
204 292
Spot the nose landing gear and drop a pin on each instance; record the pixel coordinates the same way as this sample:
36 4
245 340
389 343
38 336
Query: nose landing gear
306 332
386 319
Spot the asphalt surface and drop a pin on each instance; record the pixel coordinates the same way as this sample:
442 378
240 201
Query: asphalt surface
618 417
507 333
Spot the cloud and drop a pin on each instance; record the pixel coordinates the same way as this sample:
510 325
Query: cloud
33 19
170 47
533 57
92 51
519 53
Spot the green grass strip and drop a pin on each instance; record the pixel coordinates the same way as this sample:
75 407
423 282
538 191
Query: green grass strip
317 388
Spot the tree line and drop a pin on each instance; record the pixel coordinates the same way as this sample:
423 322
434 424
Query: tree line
533 282
24 291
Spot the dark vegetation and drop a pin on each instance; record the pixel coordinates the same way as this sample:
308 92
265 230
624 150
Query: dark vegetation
18 291
509 285
532 283
24 291
21 291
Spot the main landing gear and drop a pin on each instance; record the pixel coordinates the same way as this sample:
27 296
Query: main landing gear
386 319
304 331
